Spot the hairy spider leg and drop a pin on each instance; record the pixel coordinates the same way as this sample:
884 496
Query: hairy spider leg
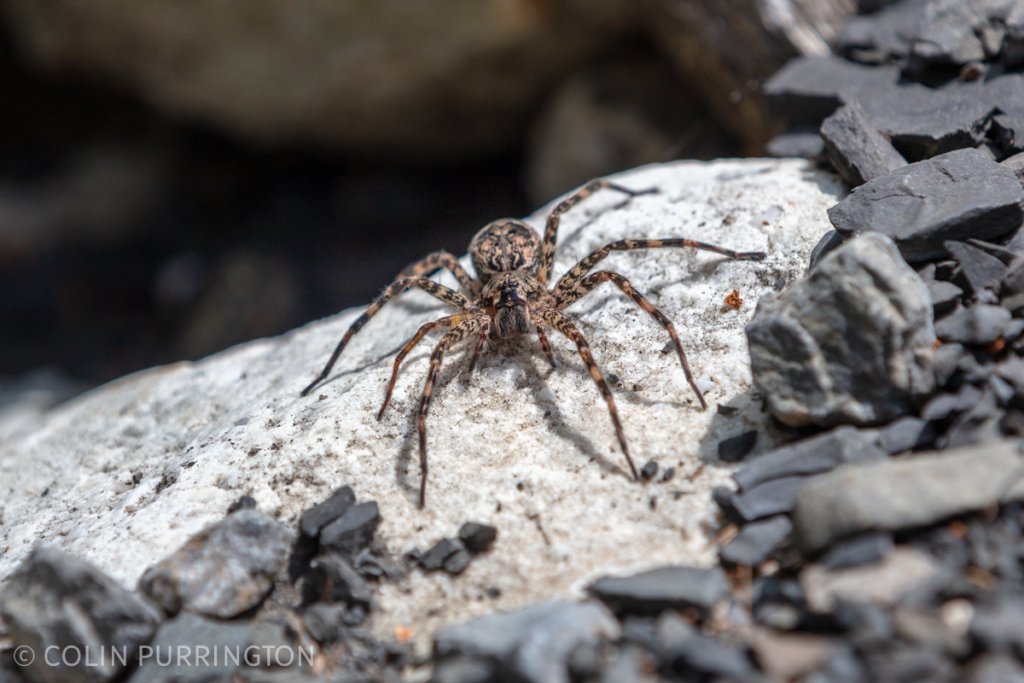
453 335
544 344
450 321
481 342
561 323
594 279
440 260
547 254
445 294
574 274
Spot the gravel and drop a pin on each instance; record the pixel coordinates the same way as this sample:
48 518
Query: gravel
223 571
317 517
895 495
662 588
353 531
532 645
56 602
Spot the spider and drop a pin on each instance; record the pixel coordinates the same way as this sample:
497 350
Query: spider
510 296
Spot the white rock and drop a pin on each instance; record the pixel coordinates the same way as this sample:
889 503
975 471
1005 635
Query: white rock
526 448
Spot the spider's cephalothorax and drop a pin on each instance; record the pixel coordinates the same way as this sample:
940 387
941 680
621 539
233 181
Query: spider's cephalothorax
510 296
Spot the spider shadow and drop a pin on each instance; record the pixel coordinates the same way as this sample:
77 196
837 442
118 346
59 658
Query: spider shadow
575 233
559 426
456 370
742 413
410 308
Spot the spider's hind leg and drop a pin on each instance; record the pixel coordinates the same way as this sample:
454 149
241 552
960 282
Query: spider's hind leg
450 321
594 279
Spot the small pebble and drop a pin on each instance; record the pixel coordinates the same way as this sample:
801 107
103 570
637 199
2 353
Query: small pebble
649 470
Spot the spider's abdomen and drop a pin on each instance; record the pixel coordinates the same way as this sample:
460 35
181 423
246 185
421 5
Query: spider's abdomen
503 246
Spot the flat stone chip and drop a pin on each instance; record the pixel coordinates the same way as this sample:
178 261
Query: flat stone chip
953 196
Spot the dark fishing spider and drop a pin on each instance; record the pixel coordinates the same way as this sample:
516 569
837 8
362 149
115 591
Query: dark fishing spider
510 296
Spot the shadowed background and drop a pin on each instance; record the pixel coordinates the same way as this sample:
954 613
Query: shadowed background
179 177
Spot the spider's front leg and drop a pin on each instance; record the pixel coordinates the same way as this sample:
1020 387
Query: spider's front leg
561 323
547 253
456 334
450 321
594 279
445 294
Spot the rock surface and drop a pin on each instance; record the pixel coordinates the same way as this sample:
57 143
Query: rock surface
662 588
953 196
894 495
124 475
222 572
856 149
56 601
849 344
533 644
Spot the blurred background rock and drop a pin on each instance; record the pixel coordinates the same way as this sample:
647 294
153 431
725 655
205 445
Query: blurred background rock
176 177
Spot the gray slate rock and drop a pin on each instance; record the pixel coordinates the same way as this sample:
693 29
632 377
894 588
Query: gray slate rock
655 590
945 296
882 36
808 89
850 343
735 448
756 542
1008 132
994 667
900 574
953 196
862 549
1016 164
55 600
317 517
856 148
922 122
805 143
977 324
981 270
952 32
1013 280
715 657
333 579
764 500
531 645
904 434
477 537
224 570
814 455
353 531
827 244
944 405
439 554
901 494
1000 626
225 643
